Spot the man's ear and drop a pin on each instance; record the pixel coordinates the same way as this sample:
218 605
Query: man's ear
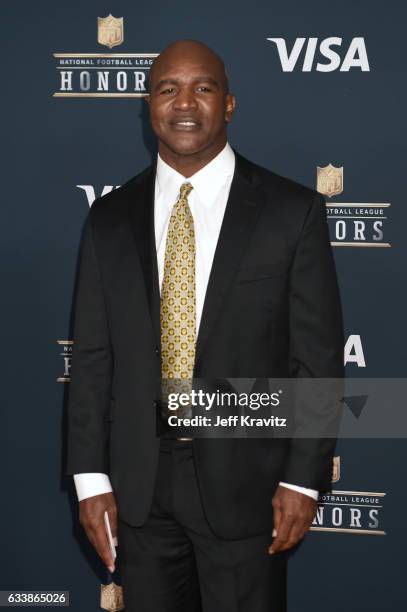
146 101
230 107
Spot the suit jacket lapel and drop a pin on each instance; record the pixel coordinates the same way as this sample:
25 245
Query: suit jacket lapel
142 223
240 216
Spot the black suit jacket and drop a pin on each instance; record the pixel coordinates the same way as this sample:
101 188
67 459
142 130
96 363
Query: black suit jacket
272 309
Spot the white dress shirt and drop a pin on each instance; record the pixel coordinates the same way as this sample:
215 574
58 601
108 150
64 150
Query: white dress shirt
207 202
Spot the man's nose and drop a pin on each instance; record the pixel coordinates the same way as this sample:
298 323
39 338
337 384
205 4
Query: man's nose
185 100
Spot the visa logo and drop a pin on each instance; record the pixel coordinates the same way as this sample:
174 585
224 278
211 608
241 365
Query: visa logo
330 49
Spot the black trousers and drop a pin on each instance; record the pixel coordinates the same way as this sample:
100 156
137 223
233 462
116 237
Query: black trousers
174 562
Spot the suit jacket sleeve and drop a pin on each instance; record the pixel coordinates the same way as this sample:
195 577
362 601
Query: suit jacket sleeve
91 371
316 339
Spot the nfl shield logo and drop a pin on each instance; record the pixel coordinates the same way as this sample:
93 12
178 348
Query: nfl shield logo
330 180
111 597
110 31
336 469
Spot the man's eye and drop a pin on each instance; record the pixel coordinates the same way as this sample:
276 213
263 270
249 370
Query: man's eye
168 90
203 88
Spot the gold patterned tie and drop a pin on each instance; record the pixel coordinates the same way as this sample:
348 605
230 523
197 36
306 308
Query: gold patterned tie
178 299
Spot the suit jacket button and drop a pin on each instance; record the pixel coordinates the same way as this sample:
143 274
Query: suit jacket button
156 351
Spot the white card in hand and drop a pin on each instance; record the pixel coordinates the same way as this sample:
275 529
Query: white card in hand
109 535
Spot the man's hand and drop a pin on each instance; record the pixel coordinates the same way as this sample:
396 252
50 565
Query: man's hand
91 517
293 515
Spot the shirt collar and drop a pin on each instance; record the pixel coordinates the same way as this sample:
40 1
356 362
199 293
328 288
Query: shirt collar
207 182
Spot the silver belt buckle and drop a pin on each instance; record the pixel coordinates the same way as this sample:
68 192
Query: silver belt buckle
184 439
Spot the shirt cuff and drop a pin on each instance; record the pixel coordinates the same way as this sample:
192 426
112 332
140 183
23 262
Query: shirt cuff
310 492
90 484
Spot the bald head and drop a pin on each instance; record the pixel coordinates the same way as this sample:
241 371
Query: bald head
188 51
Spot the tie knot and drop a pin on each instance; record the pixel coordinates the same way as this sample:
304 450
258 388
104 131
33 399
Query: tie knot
185 190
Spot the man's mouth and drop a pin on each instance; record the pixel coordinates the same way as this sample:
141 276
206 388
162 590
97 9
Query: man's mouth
185 124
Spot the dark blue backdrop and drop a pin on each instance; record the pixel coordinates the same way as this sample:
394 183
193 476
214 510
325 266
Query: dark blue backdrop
290 122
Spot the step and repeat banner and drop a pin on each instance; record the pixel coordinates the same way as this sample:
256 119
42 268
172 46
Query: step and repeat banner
321 98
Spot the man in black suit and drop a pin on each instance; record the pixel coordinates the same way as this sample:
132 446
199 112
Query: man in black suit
243 262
